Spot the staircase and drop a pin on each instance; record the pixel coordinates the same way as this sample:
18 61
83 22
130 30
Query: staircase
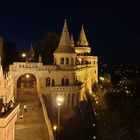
33 126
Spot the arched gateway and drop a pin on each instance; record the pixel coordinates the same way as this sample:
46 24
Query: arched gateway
20 70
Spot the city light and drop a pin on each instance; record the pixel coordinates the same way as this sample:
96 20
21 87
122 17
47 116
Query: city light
102 78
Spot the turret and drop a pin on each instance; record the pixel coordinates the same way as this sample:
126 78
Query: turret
65 52
82 40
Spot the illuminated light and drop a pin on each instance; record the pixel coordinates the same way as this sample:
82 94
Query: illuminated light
101 86
59 100
80 60
90 92
102 78
95 99
127 91
97 102
54 127
93 124
23 55
94 95
94 137
27 75
59 104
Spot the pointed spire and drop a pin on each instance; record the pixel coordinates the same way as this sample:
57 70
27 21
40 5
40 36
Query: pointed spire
65 37
40 58
72 41
82 40
31 51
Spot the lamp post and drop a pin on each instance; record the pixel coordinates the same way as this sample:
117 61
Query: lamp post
23 56
59 103
55 128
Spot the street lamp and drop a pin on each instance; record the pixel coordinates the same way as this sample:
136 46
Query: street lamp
27 76
59 103
23 56
102 78
54 129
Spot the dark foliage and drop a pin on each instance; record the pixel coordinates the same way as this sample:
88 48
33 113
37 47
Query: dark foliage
46 46
10 52
80 126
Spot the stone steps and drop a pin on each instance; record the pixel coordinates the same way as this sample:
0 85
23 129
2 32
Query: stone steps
33 126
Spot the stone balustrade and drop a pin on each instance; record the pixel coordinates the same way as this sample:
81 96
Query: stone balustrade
37 66
7 124
67 88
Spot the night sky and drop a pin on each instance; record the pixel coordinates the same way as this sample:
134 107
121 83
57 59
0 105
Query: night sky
112 29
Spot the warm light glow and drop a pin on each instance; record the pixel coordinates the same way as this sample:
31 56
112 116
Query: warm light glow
102 78
59 104
54 127
27 75
24 55
97 102
59 100
93 124
80 60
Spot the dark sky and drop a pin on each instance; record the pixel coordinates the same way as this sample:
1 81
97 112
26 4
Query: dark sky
113 29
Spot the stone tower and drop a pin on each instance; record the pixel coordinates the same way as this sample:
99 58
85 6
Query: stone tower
65 53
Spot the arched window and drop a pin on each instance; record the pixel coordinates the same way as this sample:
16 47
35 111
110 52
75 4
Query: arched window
62 82
67 82
62 60
48 81
53 82
67 61
95 71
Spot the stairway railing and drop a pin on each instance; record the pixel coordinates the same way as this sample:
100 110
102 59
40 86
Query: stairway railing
47 120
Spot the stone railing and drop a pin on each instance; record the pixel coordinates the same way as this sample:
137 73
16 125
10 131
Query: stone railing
67 88
47 120
38 66
7 123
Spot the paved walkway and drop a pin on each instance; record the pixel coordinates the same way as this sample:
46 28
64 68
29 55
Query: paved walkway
33 126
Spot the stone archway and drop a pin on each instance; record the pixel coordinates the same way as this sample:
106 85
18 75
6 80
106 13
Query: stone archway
27 88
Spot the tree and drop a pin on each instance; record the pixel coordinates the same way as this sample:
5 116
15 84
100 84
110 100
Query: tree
10 52
46 46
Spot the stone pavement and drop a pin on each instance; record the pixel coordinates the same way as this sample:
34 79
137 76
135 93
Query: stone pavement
33 126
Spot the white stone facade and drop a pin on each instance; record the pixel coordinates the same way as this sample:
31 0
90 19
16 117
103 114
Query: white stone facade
72 74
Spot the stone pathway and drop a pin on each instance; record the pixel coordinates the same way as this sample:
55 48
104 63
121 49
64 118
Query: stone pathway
33 126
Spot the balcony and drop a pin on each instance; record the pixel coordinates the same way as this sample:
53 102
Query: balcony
64 88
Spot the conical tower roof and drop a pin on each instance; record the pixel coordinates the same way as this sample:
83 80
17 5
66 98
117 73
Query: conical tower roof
31 51
72 41
82 40
65 41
